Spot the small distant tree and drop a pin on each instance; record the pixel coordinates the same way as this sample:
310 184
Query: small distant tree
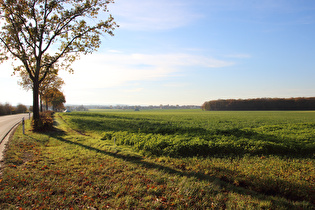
21 108
41 33
56 98
81 108
9 109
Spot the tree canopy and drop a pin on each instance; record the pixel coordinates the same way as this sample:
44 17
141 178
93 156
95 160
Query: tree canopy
56 98
42 34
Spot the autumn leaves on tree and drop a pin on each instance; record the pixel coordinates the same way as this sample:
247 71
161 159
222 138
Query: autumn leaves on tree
46 36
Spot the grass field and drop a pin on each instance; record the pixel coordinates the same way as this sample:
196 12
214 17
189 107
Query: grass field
164 159
189 133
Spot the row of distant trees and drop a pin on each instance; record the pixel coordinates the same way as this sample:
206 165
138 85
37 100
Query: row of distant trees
261 104
142 107
77 108
7 109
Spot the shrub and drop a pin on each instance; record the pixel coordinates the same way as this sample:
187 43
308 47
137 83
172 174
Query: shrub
44 123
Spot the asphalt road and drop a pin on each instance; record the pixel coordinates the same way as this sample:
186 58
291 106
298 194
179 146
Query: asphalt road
6 124
8 121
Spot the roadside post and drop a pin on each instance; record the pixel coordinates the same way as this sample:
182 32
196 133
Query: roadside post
23 123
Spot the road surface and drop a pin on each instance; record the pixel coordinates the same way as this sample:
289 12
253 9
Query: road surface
6 124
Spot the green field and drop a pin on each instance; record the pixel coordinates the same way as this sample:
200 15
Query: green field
164 159
187 133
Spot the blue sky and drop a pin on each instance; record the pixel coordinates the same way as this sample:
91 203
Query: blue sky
188 52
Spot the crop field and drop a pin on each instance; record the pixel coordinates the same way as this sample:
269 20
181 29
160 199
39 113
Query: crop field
164 159
187 133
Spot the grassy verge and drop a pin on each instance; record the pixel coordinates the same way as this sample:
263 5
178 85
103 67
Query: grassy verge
65 169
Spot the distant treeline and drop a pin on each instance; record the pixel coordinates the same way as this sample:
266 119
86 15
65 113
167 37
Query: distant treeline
8 109
260 104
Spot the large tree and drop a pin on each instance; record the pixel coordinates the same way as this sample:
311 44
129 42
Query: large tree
41 33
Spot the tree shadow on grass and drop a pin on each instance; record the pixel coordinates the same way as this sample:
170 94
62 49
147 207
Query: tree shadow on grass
221 180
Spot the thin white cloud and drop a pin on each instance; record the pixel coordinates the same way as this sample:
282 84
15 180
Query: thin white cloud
112 70
178 59
152 14
114 51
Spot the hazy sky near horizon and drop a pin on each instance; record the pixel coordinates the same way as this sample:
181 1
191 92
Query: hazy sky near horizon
188 52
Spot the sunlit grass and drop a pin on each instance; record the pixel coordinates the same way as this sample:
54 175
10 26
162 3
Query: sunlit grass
197 133
65 169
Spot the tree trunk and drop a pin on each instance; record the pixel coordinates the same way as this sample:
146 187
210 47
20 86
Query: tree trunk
41 103
36 117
